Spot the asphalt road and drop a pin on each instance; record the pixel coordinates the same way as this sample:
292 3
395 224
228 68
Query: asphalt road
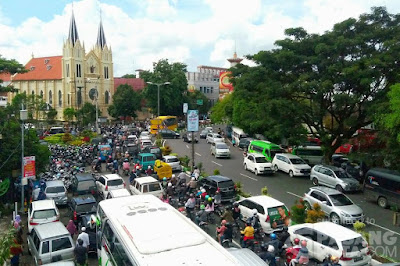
385 237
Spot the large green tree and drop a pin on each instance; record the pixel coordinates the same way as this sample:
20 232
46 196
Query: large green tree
10 66
192 99
172 95
87 114
222 111
69 114
126 102
326 83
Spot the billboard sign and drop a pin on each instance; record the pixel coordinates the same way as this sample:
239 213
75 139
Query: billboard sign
29 168
224 84
193 120
185 108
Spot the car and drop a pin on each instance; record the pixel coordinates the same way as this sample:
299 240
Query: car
169 134
118 193
83 183
244 143
145 160
133 149
56 190
106 183
203 133
50 243
42 211
56 130
337 206
220 149
80 206
338 159
145 143
272 213
258 164
146 185
131 139
334 177
214 137
144 134
326 238
224 184
154 150
173 161
291 164
187 137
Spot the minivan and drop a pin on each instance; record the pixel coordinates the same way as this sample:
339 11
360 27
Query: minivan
222 183
42 211
56 130
266 148
145 160
56 190
383 186
83 183
50 243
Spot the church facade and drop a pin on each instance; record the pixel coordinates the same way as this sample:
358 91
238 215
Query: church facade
72 79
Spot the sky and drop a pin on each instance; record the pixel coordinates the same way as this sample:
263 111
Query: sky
195 32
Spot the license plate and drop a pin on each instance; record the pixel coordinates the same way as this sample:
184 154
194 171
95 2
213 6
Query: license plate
357 259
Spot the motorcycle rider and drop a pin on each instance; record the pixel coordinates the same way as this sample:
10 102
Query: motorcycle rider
126 165
248 234
201 215
334 261
255 221
189 205
149 171
302 257
268 254
227 215
228 233
221 230
275 243
132 176
192 185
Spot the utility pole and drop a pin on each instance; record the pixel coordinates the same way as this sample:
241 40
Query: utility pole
23 115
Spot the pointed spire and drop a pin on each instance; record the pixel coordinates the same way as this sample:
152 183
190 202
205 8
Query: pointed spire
101 38
73 32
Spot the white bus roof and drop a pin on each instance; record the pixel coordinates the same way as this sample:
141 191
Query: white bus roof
154 233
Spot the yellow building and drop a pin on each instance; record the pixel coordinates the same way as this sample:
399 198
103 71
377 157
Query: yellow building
66 81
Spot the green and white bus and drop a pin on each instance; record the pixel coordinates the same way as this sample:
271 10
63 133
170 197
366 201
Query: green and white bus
266 148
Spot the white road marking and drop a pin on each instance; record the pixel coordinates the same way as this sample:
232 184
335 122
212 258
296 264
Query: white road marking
187 146
293 194
198 154
252 178
384 228
216 163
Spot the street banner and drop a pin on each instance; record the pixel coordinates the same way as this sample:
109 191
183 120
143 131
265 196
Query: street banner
193 120
185 108
29 168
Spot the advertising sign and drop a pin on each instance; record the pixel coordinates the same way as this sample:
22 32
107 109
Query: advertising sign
185 108
193 120
224 84
29 168
199 101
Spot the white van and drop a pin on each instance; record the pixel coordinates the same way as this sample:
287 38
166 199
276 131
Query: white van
238 134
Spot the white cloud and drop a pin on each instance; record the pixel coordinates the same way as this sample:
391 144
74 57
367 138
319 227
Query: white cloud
161 9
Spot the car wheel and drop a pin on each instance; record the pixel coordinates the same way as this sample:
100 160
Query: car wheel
245 166
382 202
335 218
339 188
291 173
307 206
276 168
315 181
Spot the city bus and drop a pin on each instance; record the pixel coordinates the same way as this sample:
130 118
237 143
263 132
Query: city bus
143 230
266 148
168 121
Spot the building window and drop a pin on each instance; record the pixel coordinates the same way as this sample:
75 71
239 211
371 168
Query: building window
201 89
79 97
106 72
212 90
67 67
50 97
41 94
59 98
106 97
33 93
69 100
78 71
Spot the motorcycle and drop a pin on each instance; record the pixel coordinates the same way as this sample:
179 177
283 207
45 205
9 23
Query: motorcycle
290 254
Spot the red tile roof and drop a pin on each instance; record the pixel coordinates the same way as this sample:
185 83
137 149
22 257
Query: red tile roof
42 68
5 77
137 84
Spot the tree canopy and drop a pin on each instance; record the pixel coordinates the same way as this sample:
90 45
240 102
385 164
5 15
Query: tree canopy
172 95
192 97
126 102
10 66
87 114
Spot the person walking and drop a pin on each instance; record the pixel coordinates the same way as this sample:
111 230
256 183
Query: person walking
85 237
71 227
80 253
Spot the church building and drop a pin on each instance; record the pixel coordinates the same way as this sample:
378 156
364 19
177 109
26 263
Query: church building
72 79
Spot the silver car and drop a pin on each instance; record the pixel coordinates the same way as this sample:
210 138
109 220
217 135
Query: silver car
334 177
337 206
56 191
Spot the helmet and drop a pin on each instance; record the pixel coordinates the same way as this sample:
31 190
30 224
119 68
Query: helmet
164 179
191 195
304 243
248 223
217 191
173 175
271 248
209 199
273 236
254 211
223 222
235 204
137 167
203 190
170 184
296 241
99 158
149 167
126 160
202 207
109 156
334 258
193 179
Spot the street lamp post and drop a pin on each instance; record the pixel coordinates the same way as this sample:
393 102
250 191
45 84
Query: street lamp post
23 115
158 93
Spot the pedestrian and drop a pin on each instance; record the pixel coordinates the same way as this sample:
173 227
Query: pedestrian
85 237
80 253
71 227
15 252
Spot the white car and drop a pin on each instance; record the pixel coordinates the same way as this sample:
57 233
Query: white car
214 137
220 149
144 134
291 164
258 164
326 238
173 161
145 143
146 185
272 213
118 193
41 212
106 183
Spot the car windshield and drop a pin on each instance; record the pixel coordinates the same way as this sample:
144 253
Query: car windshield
44 214
222 146
173 160
354 245
85 185
88 207
217 136
226 184
340 200
155 150
115 182
297 161
341 174
55 189
261 160
154 187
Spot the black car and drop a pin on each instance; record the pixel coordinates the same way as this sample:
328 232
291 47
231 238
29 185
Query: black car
223 183
168 134
203 133
154 150
338 159
80 206
187 137
244 143
83 183
132 149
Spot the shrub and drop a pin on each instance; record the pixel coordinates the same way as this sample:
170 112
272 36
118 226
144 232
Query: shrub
216 172
264 191
6 241
298 213
66 138
359 227
55 139
240 192
86 139
315 215
76 142
184 161
158 143
166 150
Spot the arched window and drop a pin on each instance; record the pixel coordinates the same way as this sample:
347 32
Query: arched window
106 97
50 97
41 94
59 98
79 97
33 92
